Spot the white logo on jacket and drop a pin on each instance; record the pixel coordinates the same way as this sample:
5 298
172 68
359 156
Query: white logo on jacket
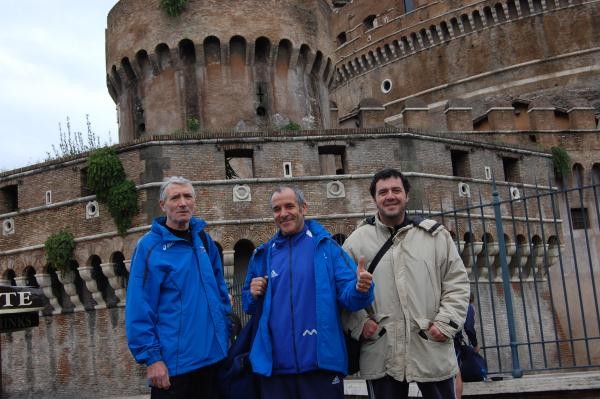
309 332
168 245
274 274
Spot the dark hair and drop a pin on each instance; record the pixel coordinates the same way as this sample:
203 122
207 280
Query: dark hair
386 174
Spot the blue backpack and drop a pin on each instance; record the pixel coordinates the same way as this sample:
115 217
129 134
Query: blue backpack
236 379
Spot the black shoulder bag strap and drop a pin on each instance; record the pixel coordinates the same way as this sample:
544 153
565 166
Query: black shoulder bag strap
387 245
384 248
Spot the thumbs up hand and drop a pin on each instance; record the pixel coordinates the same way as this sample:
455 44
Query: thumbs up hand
363 277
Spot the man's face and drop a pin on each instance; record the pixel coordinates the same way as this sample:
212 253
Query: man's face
178 205
288 215
391 200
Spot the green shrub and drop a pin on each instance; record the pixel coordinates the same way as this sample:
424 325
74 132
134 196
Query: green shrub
106 178
105 170
561 162
123 204
193 125
292 126
59 249
173 8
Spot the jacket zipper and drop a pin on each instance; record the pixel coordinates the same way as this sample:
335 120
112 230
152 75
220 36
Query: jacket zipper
292 308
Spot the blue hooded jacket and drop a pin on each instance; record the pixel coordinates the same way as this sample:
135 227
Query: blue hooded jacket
335 287
177 301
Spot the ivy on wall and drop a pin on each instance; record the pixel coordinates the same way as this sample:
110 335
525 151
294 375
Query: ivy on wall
561 162
59 249
173 8
106 178
104 171
123 204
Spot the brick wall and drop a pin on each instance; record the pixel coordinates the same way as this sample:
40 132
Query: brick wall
77 355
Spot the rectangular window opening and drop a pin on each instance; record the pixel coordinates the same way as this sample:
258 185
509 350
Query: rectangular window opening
83 176
579 218
287 169
460 163
239 164
9 198
511 169
332 159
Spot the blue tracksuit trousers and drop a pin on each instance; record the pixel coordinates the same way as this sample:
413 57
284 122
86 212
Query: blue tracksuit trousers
318 384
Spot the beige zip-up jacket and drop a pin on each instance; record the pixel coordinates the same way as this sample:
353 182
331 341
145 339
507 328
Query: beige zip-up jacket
420 280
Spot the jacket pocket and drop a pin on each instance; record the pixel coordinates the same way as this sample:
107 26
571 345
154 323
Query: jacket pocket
431 358
375 353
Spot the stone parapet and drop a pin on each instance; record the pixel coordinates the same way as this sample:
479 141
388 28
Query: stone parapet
582 118
541 118
416 118
501 118
459 119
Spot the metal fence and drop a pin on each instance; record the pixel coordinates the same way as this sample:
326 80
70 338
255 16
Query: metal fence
533 273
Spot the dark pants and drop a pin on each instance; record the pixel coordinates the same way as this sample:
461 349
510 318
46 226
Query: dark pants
197 384
388 388
313 385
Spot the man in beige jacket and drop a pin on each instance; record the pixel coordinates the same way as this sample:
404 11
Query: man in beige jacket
421 298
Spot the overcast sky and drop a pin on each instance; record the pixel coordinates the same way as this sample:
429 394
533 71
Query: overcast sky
52 66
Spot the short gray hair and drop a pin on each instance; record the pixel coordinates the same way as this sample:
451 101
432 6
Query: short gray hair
174 180
299 194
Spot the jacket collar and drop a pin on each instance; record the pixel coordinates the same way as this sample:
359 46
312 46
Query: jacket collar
315 228
158 227
406 224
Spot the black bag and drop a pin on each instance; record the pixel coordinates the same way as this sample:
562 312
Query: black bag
353 350
236 379
473 366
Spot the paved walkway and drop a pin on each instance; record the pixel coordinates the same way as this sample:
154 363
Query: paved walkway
554 382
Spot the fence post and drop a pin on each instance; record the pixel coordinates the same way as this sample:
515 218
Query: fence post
517 372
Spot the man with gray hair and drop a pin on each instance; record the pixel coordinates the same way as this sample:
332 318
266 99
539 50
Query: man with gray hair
176 316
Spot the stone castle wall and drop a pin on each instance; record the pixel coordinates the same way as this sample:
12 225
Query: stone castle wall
453 50
266 62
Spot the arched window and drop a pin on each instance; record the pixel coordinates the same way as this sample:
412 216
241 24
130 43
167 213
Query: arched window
596 173
500 12
578 175
466 23
242 253
262 50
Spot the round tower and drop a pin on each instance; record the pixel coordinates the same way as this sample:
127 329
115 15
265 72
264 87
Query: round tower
243 65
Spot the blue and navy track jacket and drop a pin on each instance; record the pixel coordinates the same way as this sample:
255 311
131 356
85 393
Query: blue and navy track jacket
177 301
334 282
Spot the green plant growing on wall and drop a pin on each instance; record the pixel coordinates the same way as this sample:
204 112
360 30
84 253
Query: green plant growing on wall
59 249
106 178
193 125
173 8
105 170
72 142
122 204
292 126
561 162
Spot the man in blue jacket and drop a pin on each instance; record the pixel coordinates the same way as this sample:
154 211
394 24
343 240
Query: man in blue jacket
304 278
176 314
